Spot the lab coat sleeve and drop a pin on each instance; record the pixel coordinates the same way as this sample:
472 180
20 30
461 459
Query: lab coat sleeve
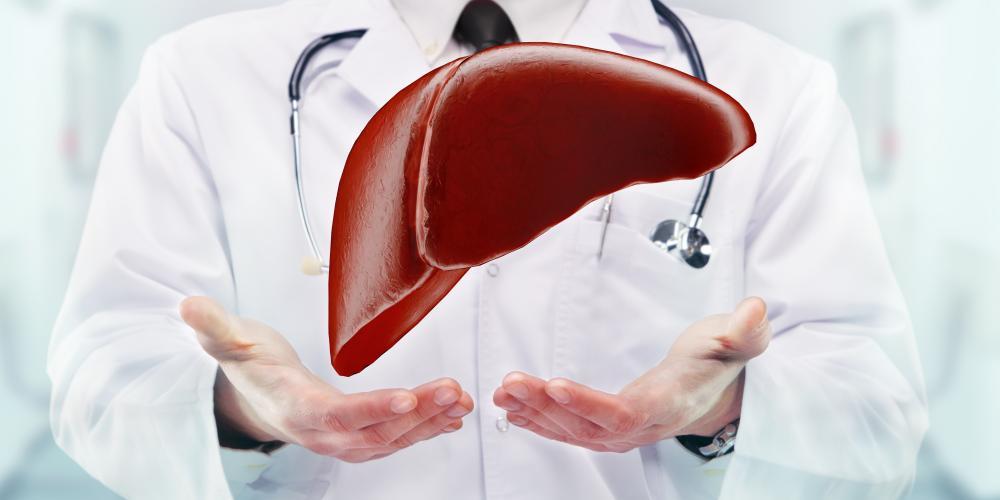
835 408
132 391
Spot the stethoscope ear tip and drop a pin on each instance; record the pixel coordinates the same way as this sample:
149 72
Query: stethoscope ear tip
311 266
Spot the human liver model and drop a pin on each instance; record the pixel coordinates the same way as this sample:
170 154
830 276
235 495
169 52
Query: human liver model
482 155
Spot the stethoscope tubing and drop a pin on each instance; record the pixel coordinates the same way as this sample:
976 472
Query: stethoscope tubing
318 265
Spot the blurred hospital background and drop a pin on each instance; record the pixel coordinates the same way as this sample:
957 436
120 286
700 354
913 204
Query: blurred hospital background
921 76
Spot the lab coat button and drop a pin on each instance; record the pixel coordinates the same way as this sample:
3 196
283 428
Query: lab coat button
502 424
493 270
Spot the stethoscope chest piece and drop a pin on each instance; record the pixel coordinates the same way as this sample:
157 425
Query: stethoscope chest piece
684 242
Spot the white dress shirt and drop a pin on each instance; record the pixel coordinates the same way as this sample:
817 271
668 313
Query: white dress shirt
196 196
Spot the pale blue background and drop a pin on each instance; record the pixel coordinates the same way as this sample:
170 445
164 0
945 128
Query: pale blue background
921 76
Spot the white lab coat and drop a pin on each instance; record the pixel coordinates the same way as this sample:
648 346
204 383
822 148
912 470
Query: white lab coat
195 196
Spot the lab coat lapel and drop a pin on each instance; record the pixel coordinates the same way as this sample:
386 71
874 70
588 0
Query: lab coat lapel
385 59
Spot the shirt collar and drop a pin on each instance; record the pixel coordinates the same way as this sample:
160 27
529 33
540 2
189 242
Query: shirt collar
388 56
432 21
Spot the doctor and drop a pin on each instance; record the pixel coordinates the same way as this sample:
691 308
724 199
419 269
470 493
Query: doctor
548 373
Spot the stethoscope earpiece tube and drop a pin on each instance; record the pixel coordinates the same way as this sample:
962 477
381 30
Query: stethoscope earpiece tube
295 82
313 264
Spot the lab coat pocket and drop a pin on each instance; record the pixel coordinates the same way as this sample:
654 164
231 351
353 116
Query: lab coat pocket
617 314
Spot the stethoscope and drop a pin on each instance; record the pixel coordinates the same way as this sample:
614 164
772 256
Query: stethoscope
684 241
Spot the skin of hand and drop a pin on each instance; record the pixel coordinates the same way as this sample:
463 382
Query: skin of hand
263 391
697 389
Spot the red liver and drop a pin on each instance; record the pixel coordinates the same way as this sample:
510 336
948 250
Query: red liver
479 157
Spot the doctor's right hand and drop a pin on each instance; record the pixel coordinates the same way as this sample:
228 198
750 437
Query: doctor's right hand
264 392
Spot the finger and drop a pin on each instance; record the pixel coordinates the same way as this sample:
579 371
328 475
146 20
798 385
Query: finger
355 411
429 429
607 411
383 454
620 447
514 407
531 391
504 400
432 399
366 455
747 332
215 329
554 436
573 427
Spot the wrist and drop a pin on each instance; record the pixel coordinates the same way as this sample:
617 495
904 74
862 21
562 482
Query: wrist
238 424
725 411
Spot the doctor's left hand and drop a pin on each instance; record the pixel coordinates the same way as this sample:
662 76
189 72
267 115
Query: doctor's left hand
697 389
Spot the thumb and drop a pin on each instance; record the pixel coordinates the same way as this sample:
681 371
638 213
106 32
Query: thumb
216 329
748 331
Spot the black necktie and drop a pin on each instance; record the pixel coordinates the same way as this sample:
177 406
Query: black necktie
484 24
